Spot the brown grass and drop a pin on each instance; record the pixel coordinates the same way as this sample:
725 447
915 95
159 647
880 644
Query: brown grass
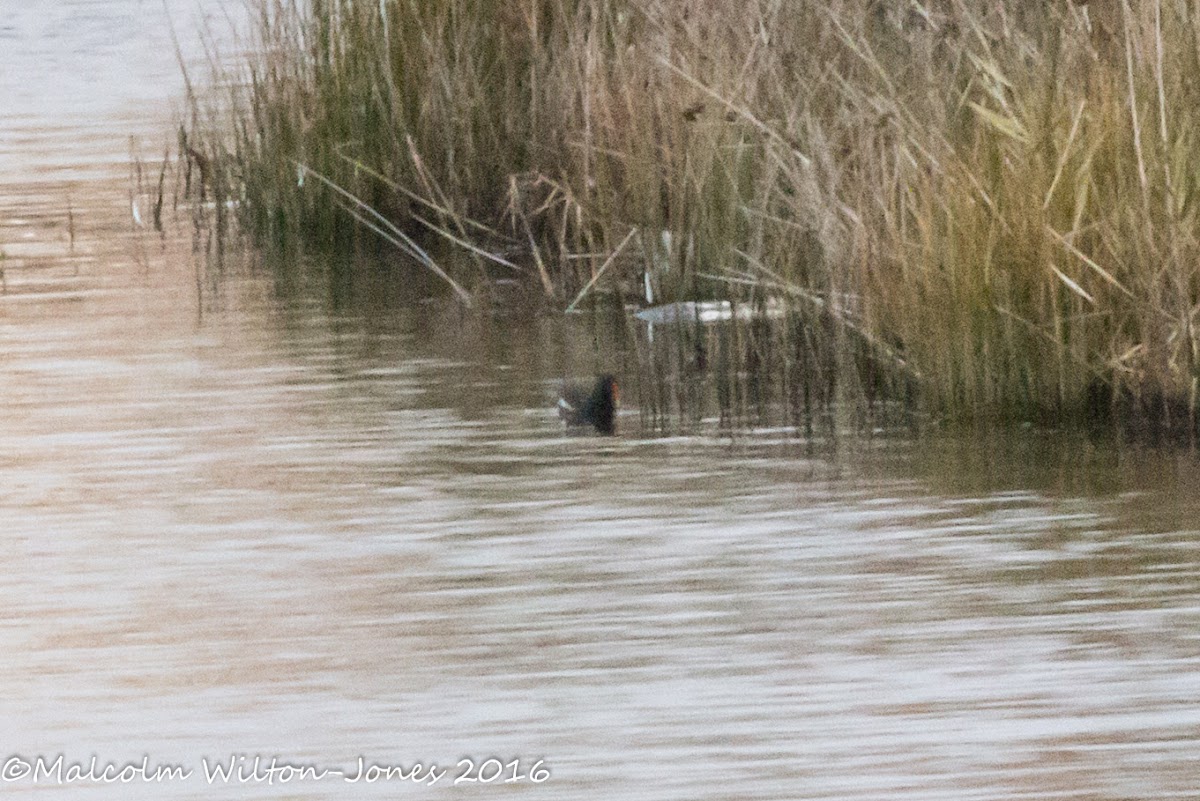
992 204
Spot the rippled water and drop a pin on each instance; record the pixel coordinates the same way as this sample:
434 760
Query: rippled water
244 522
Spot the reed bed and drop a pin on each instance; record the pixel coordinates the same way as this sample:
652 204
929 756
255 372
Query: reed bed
988 208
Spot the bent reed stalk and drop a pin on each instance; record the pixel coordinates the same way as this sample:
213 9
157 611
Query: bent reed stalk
992 203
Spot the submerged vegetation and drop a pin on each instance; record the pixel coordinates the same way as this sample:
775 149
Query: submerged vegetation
989 208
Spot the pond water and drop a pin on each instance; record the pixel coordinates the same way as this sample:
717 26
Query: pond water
246 521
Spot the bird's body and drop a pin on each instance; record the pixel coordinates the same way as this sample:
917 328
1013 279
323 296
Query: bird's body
594 405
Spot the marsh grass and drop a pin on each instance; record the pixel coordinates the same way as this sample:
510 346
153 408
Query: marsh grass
988 209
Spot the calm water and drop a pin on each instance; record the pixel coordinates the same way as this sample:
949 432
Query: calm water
246 522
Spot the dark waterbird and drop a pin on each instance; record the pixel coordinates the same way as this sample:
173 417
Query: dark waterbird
594 405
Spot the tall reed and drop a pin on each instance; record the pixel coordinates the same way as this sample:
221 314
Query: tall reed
988 206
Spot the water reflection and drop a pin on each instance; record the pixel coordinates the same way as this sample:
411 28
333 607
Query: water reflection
329 535
244 520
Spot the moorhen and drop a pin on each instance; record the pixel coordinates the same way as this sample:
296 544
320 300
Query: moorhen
594 406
